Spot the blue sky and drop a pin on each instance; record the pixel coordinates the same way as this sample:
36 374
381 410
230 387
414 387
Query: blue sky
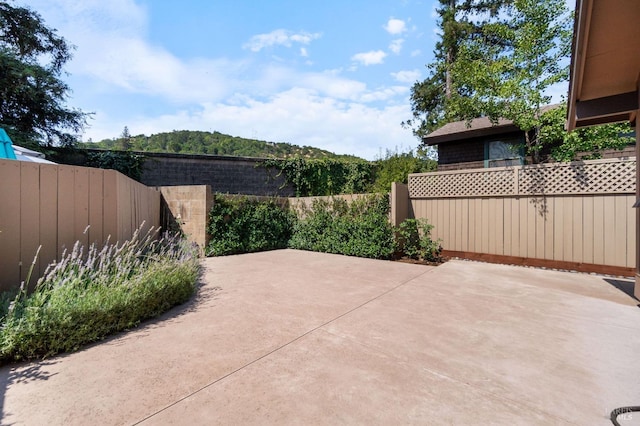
330 74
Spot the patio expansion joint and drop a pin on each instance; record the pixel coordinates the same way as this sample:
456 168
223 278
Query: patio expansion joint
250 363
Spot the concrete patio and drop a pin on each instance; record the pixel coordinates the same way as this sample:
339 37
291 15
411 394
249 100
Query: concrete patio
292 337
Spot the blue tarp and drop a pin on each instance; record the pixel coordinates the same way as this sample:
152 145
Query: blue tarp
6 146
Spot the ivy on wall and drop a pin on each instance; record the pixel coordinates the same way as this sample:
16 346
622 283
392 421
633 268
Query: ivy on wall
325 176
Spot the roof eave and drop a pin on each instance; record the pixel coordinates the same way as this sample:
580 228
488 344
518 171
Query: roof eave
470 133
580 35
584 109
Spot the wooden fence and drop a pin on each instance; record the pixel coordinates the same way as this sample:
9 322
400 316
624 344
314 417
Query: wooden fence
560 215
52 206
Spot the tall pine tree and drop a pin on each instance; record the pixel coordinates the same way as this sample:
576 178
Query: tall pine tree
460 21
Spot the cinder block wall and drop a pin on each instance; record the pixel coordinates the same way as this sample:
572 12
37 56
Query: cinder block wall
189 207
233 175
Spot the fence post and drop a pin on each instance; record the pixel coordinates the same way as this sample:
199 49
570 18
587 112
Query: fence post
399 200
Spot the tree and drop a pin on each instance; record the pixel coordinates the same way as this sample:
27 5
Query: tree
512 82
396 166
586 143
124 143
460 21
32 94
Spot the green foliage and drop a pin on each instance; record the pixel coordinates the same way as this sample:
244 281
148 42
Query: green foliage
460 21
125 162
360 228
511 82
317 177
331 225
587 143
89 295
244 225
396 167
32 93
415 240
216 143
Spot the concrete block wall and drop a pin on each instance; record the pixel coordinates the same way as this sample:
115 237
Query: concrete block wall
233 175
189 206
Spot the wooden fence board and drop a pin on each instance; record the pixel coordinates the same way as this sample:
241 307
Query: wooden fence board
10 222
48 215
29 220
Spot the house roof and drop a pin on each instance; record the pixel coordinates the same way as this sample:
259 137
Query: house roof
25 154
605 62
478 127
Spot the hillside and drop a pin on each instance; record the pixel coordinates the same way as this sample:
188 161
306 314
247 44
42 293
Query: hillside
216 143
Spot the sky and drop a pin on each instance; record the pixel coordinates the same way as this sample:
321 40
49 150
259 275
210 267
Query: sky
333 74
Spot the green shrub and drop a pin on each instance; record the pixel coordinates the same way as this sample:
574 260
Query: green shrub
87 296
360 228
415 240
243 225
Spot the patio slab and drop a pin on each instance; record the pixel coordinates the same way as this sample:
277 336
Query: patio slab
292 337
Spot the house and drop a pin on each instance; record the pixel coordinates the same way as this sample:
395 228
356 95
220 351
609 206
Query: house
605 66
481 143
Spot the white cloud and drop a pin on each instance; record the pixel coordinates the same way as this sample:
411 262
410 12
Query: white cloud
299 116
279 37
396 45
303 52
113 53
416 52
115 62
384 94
407 76
373 57
395 26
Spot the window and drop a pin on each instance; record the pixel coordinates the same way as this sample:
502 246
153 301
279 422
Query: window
504 152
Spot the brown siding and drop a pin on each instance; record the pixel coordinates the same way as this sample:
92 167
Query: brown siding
461 152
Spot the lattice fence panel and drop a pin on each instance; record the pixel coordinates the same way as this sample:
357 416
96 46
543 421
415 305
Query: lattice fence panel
589 177
465 184
579 178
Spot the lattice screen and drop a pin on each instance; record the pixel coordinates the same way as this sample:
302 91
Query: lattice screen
579 178
483 182
588 177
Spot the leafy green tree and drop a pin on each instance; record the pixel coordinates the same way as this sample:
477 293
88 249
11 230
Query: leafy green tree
32 94
587 143
460 21
511 83
396 167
